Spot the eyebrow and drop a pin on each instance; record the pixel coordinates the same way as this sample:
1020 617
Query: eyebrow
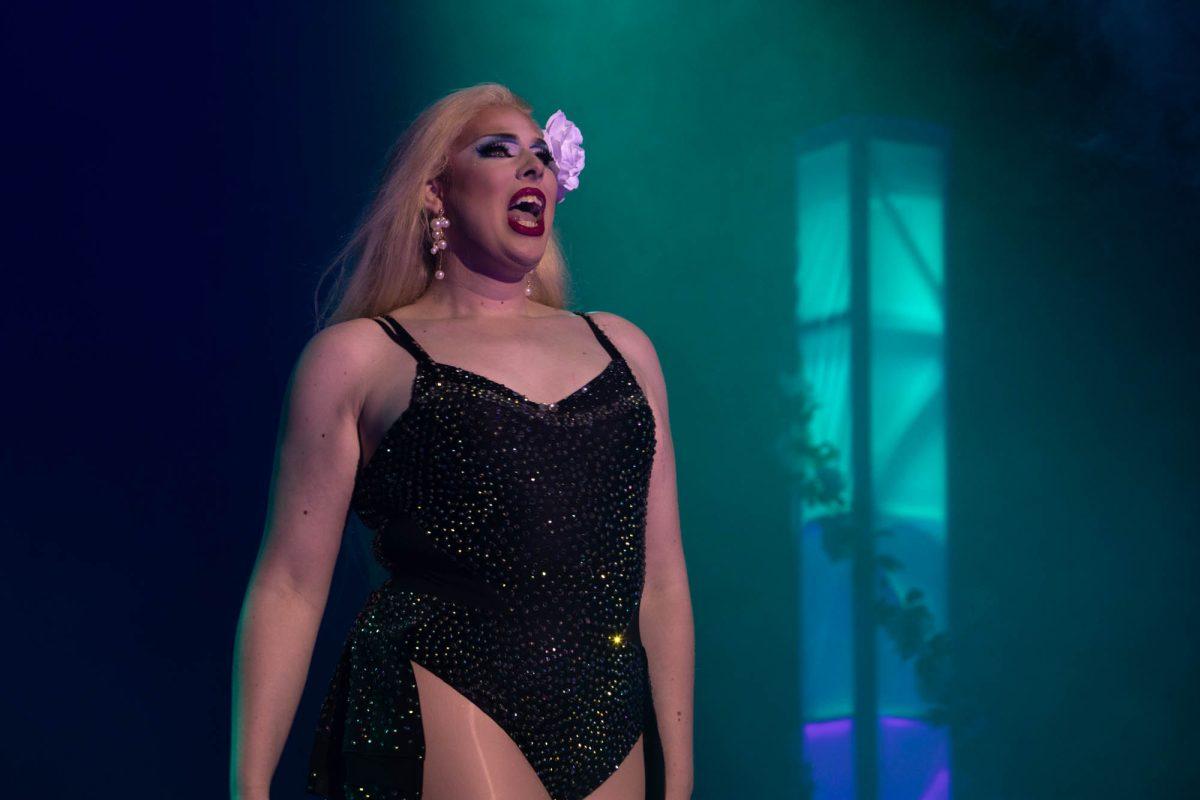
511 137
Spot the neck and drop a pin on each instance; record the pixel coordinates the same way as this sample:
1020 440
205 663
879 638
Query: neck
467 293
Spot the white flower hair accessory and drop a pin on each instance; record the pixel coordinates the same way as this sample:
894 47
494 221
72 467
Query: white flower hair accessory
564 140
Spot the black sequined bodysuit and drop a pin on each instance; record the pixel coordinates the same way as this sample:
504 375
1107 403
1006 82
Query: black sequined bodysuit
514 532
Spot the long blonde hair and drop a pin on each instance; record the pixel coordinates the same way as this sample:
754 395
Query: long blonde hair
390 246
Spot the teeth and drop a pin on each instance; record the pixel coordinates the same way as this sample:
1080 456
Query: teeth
531 198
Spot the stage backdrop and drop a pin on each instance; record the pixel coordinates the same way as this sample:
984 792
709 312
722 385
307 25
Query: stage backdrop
178 176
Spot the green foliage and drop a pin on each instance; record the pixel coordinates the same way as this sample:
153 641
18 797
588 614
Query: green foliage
906 620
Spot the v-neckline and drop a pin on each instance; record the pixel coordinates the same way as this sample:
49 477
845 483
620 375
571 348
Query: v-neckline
502 388
423 358
506 389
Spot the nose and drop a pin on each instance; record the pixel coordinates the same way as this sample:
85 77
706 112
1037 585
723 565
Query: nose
531 166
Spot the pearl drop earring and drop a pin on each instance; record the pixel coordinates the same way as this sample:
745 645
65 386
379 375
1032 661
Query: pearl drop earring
437 227
529 284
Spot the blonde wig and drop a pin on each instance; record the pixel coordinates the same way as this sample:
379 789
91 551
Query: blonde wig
389 250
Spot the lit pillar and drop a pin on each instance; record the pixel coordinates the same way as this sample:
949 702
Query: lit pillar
871 318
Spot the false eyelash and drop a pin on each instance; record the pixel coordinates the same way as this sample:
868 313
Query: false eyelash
544 155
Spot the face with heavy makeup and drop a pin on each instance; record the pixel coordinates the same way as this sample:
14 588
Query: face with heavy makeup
499 192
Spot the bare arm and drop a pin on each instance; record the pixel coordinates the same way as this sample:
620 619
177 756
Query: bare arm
665 618
315 464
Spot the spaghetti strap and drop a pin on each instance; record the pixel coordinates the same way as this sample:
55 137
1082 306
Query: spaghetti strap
403 338
609 347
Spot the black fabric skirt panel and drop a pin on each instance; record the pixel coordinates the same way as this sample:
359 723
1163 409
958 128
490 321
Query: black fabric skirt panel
340 771
651 741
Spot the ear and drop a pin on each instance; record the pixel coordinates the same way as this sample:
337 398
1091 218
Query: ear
432 196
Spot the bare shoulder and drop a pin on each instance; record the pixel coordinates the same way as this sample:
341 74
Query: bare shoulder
631 340
637 348
337 362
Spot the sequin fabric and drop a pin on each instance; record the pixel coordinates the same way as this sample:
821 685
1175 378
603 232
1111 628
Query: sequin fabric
514 532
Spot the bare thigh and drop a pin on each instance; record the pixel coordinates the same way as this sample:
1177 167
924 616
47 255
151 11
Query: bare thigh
470 757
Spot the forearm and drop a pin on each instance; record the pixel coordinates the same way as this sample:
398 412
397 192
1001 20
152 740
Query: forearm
272 654
667 632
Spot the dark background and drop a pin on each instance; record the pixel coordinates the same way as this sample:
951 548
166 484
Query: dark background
178 176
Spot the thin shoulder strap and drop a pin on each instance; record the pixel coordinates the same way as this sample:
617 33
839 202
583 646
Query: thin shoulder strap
403 338
604 340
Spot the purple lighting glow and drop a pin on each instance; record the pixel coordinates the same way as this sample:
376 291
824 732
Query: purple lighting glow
913 759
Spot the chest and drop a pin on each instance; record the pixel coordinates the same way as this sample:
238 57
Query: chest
465 440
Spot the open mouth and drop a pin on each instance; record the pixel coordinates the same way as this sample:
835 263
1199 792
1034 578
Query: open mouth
525 209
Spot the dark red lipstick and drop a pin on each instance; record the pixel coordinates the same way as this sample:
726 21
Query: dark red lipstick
526 211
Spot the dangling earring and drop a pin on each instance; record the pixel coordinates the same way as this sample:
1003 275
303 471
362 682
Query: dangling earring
437 227
529 284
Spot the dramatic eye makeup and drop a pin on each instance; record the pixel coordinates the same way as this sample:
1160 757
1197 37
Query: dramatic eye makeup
505 144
